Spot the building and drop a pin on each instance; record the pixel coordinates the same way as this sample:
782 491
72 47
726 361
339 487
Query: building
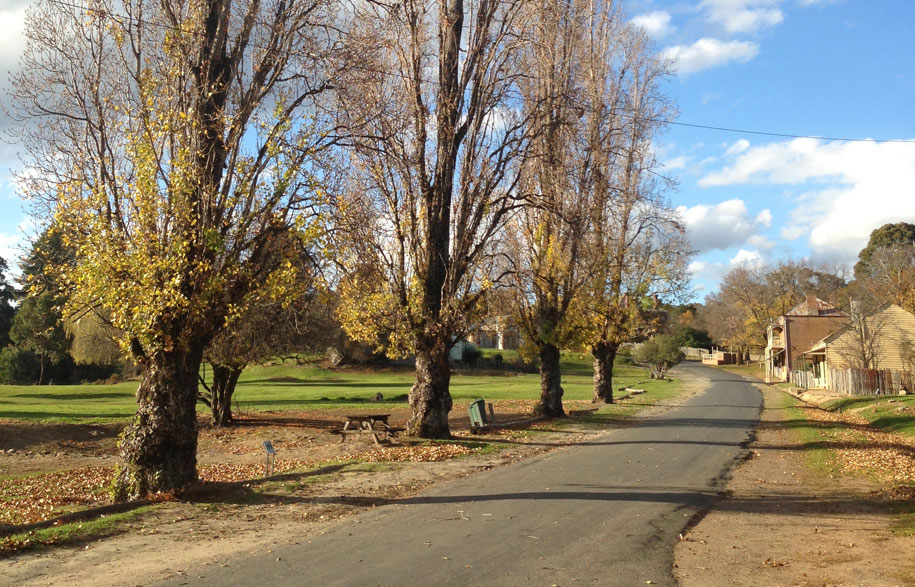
498 332
882 340
793 333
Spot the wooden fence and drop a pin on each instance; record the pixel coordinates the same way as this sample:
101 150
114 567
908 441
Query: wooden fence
870 381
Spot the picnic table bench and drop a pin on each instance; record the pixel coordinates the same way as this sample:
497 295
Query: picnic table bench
367 424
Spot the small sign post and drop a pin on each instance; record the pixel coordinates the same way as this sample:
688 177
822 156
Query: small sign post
271 458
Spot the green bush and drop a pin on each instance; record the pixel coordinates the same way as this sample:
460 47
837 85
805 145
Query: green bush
661 353
623 357
470 355
18 366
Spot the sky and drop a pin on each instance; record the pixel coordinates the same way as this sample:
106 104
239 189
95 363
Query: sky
837 69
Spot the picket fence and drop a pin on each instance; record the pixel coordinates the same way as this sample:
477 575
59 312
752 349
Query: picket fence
869 381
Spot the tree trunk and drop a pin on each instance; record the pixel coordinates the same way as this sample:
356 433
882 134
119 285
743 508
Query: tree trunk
40 368
604 354
430 400
550 383
224 380
159 447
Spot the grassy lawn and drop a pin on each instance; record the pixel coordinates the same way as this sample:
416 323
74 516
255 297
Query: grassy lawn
812 434
754 370
293 387
888 413
72 532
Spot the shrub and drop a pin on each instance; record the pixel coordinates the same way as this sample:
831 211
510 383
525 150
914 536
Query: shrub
18 366
623 357
661 353
470 355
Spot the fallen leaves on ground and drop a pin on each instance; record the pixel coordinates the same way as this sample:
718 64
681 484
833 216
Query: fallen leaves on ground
24 500
861 449
246 471
415 454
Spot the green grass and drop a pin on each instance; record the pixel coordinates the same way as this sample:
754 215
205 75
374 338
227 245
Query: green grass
905 522
290 386
753 370
883 412
74 532
817 455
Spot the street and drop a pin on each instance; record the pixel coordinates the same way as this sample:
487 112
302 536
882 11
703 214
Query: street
606 512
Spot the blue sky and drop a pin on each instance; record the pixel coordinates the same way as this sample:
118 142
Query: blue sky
826 68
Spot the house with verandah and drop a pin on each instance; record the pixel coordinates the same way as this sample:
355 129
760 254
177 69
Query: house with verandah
871 353
795 331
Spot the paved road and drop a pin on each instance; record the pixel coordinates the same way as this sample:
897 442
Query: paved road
604 513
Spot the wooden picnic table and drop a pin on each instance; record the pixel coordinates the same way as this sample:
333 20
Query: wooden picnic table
366 424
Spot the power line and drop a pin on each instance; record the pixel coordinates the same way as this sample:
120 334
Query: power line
75 5
783 135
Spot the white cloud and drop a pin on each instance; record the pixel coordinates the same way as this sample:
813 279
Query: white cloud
656 24
721 226
679 162
707 271
852 188
747 258
743 16
12 42
11 250
707 53
765 217
761 242
793 232
738 147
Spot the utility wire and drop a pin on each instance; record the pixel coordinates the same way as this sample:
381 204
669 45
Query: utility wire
783 135
74 5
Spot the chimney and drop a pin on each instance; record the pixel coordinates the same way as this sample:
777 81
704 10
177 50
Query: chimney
813 308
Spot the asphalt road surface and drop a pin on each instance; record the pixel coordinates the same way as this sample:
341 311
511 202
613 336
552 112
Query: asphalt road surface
607 512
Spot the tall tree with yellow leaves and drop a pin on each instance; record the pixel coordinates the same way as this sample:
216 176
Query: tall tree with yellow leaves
173 142
431 178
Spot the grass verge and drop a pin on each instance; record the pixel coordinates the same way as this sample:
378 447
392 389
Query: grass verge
894 414
70 533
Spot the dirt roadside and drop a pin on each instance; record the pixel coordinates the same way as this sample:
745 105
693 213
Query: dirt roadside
785 524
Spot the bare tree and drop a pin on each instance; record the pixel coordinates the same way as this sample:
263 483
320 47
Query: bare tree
173 141
638 245
432 177
544 241
863 344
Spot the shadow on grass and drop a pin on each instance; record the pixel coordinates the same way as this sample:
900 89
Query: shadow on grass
323 401
76 417
293 382
75 395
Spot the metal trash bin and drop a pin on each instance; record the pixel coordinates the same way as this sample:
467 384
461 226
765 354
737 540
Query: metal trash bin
477 412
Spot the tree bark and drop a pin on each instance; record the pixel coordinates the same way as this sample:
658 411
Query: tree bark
224 381
159 448
550 383
430 400
604 354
